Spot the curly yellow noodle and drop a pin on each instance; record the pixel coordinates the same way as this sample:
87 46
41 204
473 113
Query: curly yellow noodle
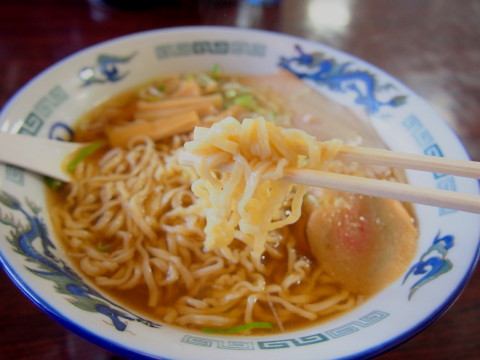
201 248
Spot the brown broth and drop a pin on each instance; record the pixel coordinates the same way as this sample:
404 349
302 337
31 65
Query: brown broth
120 109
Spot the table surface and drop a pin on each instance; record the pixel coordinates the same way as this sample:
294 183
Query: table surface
433 46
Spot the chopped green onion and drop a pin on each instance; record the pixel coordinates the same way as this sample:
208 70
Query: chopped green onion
53 183
83 153
230 93
206 82
254 325
247 101
215 72
103 248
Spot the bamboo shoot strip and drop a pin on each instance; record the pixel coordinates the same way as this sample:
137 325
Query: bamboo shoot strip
154 114
215 100
156 130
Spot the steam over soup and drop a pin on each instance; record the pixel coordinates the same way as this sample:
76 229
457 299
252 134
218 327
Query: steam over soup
132 224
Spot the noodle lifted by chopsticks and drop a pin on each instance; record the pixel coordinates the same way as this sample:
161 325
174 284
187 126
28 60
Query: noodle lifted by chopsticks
247 203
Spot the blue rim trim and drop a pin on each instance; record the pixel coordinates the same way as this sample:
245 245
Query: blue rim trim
67 323
122 350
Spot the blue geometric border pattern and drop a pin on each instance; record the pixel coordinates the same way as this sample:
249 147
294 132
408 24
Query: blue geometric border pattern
365 321
426 142
339 77
220 344
42 110
29 237
218 47
286 343
354 326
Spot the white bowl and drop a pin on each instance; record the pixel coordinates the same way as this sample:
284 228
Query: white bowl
50 103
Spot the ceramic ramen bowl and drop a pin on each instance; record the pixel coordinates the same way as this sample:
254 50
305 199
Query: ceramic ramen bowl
49 104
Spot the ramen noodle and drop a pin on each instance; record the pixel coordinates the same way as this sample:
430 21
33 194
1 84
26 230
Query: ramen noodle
247 203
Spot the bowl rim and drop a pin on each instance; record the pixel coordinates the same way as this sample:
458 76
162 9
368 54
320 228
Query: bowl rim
122 350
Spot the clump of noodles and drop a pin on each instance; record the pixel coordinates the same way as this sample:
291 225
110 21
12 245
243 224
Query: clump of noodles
119 210
132 224
247 202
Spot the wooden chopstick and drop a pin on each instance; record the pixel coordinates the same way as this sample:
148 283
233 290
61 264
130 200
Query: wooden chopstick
384 188
371 187
375 156
436 164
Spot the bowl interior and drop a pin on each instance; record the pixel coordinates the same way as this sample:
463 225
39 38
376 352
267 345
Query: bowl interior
54 100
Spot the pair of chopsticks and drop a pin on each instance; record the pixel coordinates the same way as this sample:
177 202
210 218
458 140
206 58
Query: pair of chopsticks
382 188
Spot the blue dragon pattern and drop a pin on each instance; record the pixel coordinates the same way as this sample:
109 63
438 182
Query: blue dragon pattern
339 78
24 237
432 263
105 71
